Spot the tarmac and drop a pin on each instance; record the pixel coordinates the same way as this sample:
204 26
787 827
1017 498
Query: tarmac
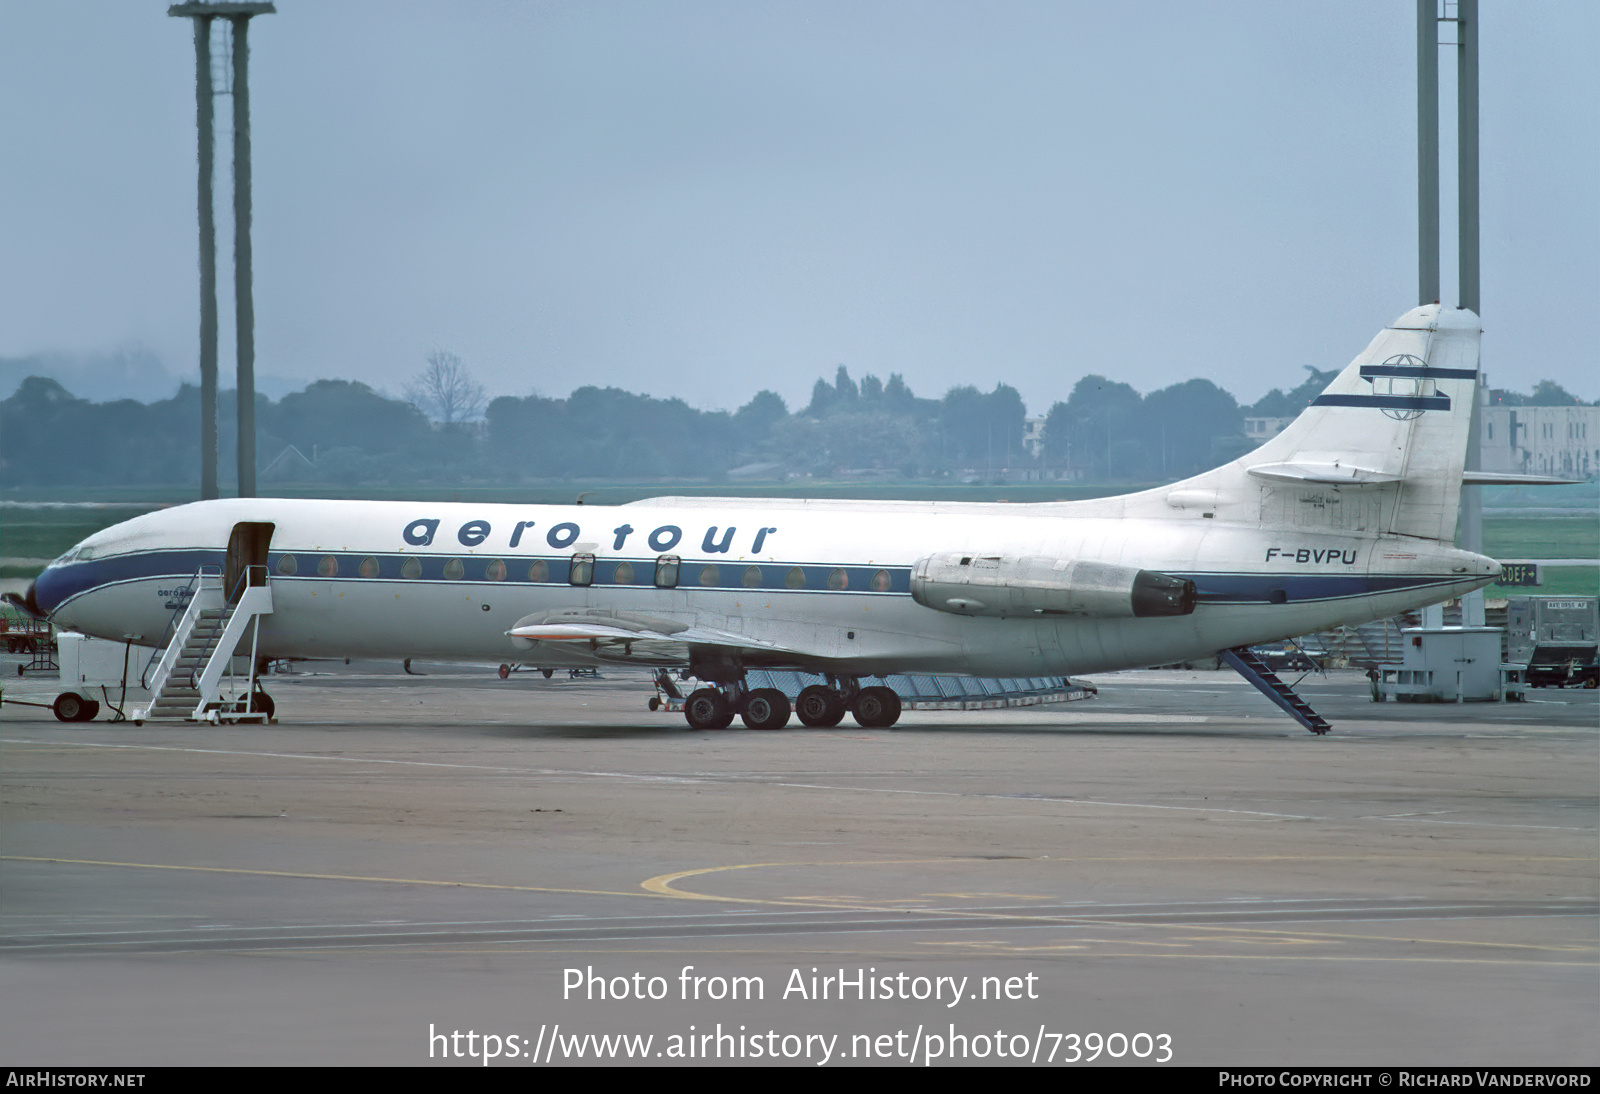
452 868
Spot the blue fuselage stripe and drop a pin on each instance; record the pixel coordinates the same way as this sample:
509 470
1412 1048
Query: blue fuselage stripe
1297 588
59 584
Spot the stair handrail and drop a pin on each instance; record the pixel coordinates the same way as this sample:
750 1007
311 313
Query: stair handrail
1316 666
229 606
177 616
253 603
1244 661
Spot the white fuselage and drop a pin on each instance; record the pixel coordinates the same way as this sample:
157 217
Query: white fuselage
1342 518
814 585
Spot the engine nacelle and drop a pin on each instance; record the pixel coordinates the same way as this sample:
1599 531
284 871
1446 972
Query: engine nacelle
994 585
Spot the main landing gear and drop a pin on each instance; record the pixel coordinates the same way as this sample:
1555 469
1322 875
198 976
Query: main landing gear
713 708
768 708
875 707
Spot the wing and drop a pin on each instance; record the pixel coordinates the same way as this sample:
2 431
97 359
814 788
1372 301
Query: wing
620 637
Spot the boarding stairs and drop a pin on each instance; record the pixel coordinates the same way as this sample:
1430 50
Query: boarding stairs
1361 646
194 679
1244 661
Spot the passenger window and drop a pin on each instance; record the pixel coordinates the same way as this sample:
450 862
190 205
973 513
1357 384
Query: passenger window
582 570
286 565
667 572
328 567
880 581
454 570
796 578
539 571
495 571
623 574
838 579
752 577
709 575
369 567
411 567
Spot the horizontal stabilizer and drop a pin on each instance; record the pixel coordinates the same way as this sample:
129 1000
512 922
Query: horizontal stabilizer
1326 474
1498 478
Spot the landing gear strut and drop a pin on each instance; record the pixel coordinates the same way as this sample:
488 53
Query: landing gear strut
261 703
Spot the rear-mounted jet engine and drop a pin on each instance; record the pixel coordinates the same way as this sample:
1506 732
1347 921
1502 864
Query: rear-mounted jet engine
994 585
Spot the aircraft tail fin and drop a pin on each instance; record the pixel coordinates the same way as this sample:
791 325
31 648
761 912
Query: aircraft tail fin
1381 449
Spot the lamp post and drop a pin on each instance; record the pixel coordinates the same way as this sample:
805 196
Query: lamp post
239 15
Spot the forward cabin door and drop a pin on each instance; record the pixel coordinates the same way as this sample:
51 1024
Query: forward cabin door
247 547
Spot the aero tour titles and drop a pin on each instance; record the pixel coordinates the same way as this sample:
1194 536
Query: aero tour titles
474 533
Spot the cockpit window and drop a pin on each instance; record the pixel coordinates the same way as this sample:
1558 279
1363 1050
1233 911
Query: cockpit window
85 552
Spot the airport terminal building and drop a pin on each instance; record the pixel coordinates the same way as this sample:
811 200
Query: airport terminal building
1541 440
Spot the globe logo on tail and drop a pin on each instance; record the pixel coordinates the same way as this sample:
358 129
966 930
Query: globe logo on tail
1402 376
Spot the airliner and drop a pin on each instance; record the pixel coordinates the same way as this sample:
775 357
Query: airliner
1348 515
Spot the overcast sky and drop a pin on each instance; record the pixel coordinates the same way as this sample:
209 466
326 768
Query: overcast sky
707 199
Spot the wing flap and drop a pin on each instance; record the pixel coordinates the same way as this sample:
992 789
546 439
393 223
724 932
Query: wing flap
634 637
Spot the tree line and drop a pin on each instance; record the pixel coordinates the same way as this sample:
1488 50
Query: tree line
341 431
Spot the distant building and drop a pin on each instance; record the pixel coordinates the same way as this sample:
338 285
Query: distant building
1524 440
1260 430
1033 435
1541 440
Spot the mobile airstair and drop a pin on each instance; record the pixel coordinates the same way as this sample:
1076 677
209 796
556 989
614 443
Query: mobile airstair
1244 661
195 678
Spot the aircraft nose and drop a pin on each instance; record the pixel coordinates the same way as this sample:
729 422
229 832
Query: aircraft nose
45 594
